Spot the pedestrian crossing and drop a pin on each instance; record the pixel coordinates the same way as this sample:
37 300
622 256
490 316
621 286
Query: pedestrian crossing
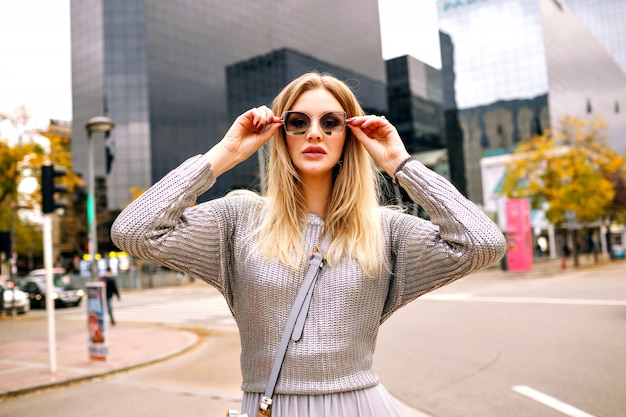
205 311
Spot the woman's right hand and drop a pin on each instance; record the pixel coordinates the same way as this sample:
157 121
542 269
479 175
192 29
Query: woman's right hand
245 136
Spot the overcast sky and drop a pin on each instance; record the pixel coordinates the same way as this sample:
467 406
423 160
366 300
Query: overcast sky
35 58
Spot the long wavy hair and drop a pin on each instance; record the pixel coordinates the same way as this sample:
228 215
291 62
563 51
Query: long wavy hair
352 223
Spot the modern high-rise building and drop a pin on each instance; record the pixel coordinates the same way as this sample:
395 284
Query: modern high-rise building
513 68
606 20
158 70
415 98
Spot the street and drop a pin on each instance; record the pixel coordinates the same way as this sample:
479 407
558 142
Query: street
489 345
471 347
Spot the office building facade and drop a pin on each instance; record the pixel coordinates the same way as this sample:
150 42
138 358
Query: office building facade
514 68
415 101
606 20
415 98
158 70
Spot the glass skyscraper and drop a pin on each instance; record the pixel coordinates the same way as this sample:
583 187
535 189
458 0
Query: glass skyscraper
415 101
606 20
158 69
513 68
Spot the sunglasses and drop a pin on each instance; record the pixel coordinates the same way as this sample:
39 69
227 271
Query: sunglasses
298 122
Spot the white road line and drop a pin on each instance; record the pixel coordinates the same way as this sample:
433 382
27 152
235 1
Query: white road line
551 402
523 300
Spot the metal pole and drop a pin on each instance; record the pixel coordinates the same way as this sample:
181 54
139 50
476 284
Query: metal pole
47 259
91 210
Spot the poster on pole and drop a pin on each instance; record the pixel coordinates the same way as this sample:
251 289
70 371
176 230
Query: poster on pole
96 322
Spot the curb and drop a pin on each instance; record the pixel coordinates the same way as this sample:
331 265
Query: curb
192 341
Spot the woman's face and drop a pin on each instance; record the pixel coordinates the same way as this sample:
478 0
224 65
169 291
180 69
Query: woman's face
316 151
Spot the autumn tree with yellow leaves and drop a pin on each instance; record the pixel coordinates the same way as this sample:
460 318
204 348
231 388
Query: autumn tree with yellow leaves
20 159
572 170
23 151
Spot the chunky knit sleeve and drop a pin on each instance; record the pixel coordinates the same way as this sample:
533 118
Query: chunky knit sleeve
162 226
458 239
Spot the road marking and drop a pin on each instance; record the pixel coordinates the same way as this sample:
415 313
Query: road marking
523 300
449 297
551 402
213 312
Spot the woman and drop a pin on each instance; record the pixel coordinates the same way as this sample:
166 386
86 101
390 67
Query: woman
255 250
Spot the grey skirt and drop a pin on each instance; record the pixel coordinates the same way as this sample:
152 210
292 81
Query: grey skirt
368 402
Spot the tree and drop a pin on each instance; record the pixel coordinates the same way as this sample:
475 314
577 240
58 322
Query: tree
16 163
19 159
617 208
73 239
23 150
59 135
570 171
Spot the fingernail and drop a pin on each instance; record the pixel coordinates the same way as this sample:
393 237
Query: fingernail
349 119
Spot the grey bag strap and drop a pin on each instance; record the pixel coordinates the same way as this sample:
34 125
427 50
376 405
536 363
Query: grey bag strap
295 321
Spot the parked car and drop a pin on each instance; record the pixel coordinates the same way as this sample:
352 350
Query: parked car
64 293
22 302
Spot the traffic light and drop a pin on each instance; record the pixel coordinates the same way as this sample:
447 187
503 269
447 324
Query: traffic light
49 201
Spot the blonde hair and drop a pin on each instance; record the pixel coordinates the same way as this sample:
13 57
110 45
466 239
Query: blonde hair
352 223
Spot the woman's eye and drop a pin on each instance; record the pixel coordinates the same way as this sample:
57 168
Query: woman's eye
330 123
298 123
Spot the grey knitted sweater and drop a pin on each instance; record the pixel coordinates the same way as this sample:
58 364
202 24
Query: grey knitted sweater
208 241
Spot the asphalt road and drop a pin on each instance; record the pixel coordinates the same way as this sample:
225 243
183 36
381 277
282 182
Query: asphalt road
483 346
534 347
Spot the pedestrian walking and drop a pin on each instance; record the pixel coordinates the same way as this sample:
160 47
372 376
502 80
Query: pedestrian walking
111 289
321 206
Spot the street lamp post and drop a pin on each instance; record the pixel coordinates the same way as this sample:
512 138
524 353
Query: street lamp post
95 124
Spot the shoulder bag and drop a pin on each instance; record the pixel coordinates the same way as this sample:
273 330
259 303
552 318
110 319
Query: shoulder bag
293 328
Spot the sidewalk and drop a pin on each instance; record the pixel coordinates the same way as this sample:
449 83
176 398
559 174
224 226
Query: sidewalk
546 267
25 365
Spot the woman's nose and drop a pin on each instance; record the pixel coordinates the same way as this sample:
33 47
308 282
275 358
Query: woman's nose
315 131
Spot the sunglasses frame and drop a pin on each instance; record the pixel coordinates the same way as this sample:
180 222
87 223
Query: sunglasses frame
300 133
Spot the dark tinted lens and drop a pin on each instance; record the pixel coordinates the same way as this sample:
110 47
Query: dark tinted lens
296 123
333 122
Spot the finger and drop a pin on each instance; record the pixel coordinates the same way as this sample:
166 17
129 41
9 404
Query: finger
370 118
263 117
369 122
270 129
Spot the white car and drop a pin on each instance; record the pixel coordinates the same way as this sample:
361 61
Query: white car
22 302
63 292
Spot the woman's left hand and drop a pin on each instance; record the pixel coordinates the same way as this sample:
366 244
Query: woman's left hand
381 139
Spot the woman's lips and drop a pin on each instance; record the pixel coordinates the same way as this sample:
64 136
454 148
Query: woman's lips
314 152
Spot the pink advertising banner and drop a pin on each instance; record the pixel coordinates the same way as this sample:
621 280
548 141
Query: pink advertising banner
519 235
